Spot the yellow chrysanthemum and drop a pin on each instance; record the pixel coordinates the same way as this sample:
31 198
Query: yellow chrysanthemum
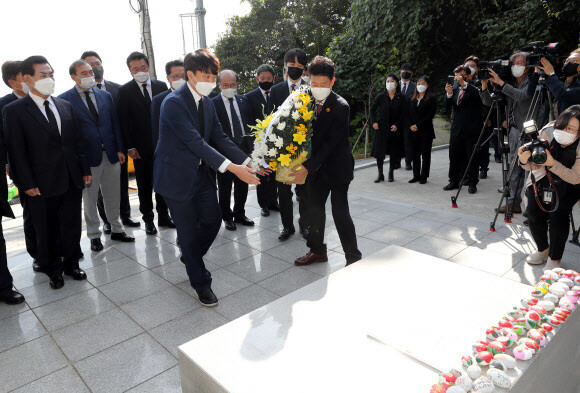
299 138
273 165
301 129
267 121
292 149
284 159
307 115
305 98
303 108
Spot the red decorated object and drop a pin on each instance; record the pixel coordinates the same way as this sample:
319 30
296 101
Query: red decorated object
547 327
505 324
540 310
496 347
506 341
528 342
437 389
484 358
448 377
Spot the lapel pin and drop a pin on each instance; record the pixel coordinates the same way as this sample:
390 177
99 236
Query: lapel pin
328 109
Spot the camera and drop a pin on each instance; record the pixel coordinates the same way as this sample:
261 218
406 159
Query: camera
451 80
536 146
502 67
538 49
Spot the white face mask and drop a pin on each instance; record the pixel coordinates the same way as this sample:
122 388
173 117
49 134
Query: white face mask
177 84
320 93
421 88
229 93
391 86
141 77
204 88
563 137
473 70
518 71
24 87
45 86
88 82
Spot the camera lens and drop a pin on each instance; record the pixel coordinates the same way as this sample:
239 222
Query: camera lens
539 155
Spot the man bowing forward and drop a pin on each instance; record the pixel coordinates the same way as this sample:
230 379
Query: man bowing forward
183 157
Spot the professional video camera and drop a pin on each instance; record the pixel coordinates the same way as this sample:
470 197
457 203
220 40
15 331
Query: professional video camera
537 146
538 49
501 66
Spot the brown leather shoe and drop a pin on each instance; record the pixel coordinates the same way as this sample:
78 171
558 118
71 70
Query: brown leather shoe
516 209
311 258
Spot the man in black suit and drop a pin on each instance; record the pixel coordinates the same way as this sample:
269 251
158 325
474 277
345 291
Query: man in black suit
112 88
233 111
330 167
261 105
407 87
50 169
294 65
465 127
176 78
134 111
13 78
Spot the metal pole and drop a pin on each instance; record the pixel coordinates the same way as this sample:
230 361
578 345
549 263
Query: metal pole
200 13
146 41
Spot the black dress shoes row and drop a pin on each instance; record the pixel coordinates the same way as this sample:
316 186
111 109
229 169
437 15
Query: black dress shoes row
150 228
122 237
76 273
129 222
286 233
11 297
207 298
57 282
230 225
165 222
451 186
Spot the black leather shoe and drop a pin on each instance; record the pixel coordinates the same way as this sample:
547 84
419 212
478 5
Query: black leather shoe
150 228
56 282
76 274
483 174
245 221
286 233
380 178
391 178
413 180
122 237
451 186
129 222
36 267
96 245
11 297
423 181
408 167
230 225
107 228
207 297
265 212
472 189
275 208
165 222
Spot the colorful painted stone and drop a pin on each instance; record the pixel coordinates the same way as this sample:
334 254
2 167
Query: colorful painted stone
499 378
540 310
491 334
550 297
576 288
572 296
497 364
496 347
542 330
506 341
532 320
521 321
567 281
466 361
518 329
509 333
557 290
541 289
506 359
464 382
553 275
567 304
483 385
552 320
558 271
547 305
437 389
455 372
474 371
448 377
547 279
569 274
528 342
560 316
547 327
577 279
456 389
562 310
529 301
522 352
446 384
484 358
538 337
515 313
479 347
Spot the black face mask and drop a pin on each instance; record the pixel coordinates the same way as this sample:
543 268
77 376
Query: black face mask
267 85
98 71
406 75
570 69
294 73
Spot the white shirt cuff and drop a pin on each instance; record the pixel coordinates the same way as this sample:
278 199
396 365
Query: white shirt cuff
224 166
247 160
449 95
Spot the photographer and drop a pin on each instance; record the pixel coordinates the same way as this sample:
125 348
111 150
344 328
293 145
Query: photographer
555 180
518 104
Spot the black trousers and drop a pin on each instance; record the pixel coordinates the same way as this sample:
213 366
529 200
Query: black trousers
394 159
287 207
422 157
57 223
144 175
460 150
267 191
5 276
225 182
318 192
29 234
125 208
556 223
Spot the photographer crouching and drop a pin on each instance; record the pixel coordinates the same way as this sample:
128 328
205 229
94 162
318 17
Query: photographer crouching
553 187
518 104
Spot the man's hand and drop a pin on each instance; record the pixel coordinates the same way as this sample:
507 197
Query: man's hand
524 155
549 160
264 171
300 174
546 66
376 126
121 157
32 192
87 179
393 128
133 153
414 127
495 77
460 80
448 88
243 173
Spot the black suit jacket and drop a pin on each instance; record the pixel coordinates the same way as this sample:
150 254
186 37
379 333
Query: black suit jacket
113 89
7 99
331 159
245 112
155 113
258 105
421 114
410 89
279 93
467 120
135 116
39 156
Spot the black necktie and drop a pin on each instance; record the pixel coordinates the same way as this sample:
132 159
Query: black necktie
50 115
91 106
237 126
100 85
201 118
146 94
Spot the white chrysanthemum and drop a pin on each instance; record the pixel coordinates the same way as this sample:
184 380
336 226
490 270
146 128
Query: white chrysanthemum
274 121
296 97
285 112
281 126
279 143
272 152
296 115
272 137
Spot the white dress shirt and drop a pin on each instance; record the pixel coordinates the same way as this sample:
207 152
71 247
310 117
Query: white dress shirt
39 101
84 97
264 94
237 109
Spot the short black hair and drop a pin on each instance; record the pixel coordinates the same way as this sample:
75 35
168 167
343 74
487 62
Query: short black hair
27 65
72 70
90 53
136 56
460 68
265 68
201 60
233 72
322 66
395 77
407 67
294 54
10 70
472 58
564 118
171 64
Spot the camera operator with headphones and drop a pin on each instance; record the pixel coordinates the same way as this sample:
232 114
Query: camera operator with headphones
518 104
556 182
